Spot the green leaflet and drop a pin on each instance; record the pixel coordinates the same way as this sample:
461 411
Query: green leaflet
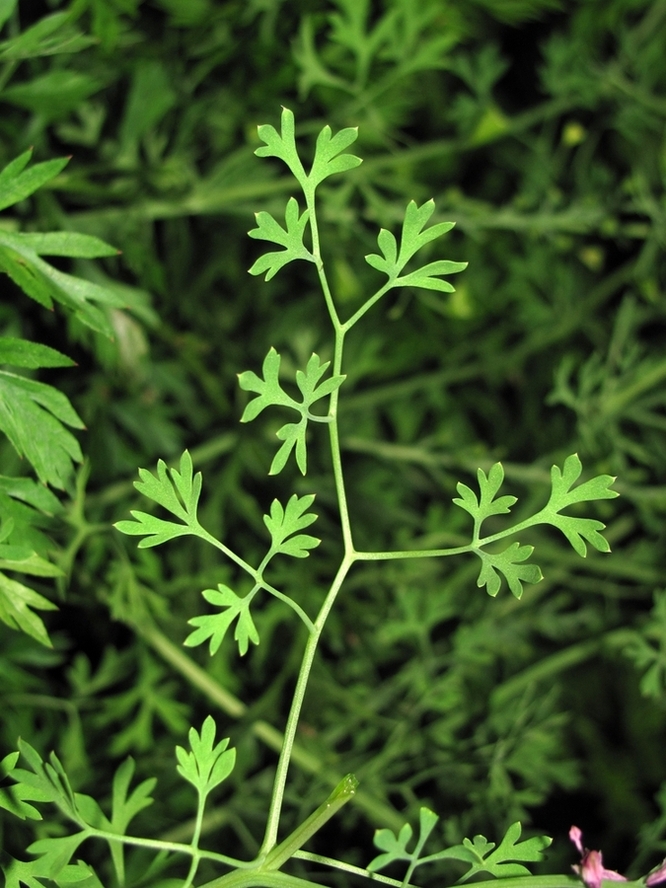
271 393
328 159
283 523
290 237
207 765
215 626
20 253
33 416
413 238
18 604
178 492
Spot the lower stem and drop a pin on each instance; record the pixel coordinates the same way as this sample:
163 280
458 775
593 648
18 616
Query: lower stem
270 838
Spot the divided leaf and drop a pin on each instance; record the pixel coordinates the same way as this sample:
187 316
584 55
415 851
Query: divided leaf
285 522
328 158
215 626
577 530
17 182
413 238
282 145
290 237
485 505
33 415
269 389
508 563
271 393
500 862
207 765
479 853
179 494
17 609
395 847
20 257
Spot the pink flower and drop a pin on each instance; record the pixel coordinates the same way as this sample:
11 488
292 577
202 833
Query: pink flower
591 869
659 875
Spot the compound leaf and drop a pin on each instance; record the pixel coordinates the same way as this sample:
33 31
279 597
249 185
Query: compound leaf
577 530
284 524
271 393
177 491
215 626
290 237
17 182
501 861
208 764
413 238
509 563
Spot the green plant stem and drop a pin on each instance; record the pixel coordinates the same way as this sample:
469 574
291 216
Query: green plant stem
347 867
270 837
343 792
169 847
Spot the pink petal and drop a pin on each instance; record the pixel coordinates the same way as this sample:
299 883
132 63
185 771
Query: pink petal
576 836
657 876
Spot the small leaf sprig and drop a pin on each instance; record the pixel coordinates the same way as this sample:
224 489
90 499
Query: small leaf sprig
178 491
482 856
510 562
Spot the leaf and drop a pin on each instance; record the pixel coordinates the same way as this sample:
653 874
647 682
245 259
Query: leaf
207 765
413 238
499 863
481 508
44 283
32 415
178 492
282 145
53 94
17 182
508 563
269 389
22 353
215 626
328 160
12 798
394 847
577 530
67 243
271 393
125 808
7 7
17 609
283 523
290 237
50 35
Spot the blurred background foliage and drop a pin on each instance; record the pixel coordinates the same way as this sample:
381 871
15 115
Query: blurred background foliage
538 126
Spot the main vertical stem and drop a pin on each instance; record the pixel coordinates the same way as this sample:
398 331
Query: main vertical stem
270 836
